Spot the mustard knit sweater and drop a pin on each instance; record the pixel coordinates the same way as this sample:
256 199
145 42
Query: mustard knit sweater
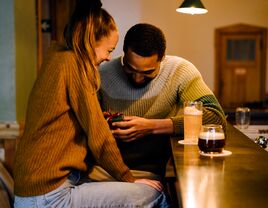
64 123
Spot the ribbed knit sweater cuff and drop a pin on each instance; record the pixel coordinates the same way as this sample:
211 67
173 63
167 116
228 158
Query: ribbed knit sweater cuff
128 177
178 124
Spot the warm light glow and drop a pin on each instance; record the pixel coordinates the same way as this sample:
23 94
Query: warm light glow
192 7
192 10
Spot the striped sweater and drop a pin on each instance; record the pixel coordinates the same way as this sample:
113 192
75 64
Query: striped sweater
178 81
64 123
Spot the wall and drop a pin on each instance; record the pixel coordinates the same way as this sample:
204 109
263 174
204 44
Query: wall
126 14
189 36
18 44
26 53
7 62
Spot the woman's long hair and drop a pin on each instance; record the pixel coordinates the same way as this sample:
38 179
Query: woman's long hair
88 24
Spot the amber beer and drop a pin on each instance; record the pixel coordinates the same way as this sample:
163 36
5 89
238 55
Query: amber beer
211 141
192 121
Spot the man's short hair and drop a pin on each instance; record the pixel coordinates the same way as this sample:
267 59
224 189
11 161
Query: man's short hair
145 40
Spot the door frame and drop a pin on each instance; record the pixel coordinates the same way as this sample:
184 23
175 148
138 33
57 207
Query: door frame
59 12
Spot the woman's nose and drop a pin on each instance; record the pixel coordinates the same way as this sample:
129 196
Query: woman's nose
109 57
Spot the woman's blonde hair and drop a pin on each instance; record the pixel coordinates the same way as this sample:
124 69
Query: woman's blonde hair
88 25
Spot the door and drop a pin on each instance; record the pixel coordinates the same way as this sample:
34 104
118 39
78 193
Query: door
240 65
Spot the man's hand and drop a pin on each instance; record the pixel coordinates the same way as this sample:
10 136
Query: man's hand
153 183
132 128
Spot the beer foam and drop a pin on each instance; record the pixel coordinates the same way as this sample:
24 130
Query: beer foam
211 136
192 110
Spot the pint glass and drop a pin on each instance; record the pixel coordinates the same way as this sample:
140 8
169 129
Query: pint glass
192 121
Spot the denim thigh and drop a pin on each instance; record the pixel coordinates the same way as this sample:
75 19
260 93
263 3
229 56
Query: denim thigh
75 193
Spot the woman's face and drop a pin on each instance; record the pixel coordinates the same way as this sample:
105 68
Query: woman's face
105 47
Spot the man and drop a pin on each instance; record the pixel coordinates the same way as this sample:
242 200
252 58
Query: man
149 88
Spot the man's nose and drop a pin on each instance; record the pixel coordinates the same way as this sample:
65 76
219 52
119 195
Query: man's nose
138 78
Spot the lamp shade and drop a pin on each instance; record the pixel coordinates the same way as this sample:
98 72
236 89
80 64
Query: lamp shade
192 7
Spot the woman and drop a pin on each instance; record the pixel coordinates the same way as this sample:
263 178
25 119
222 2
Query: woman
65 126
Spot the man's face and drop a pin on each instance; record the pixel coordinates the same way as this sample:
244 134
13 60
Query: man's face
140 70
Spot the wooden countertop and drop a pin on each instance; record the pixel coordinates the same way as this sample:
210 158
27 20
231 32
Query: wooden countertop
238 180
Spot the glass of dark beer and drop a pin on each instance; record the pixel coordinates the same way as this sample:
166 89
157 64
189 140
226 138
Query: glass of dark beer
211 139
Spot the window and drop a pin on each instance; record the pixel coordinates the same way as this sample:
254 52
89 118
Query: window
241 50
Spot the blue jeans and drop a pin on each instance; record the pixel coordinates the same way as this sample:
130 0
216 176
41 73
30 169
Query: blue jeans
76 193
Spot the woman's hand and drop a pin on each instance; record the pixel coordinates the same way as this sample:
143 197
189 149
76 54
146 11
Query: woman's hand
153 183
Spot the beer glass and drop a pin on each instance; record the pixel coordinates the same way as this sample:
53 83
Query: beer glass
211 139
192 113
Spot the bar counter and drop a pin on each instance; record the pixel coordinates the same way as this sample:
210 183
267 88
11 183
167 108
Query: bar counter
237 180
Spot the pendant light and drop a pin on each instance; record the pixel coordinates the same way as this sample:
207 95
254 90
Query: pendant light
192 7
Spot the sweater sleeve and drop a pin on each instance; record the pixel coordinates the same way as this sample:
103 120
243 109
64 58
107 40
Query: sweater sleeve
193 88
84 102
